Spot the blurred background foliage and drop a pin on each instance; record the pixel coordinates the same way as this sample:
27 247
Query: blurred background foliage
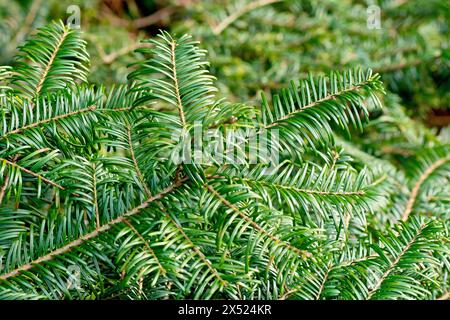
259 44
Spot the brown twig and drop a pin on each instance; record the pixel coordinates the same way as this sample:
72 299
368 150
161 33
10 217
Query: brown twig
445 296
237 14
26 26
154 18
420 181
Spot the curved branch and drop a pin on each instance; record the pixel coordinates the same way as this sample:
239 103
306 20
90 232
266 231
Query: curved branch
420 181
29 19
154 18
111 57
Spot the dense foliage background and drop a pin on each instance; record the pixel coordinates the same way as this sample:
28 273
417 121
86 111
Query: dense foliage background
359 207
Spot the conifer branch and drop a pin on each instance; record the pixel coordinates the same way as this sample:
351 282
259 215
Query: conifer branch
146 244
34 174
256 226
196 250
173 46
418 184
244 10
45 121
315 103
50 61
394 263
105 227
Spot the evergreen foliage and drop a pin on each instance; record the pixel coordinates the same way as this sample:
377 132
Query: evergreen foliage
356 207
